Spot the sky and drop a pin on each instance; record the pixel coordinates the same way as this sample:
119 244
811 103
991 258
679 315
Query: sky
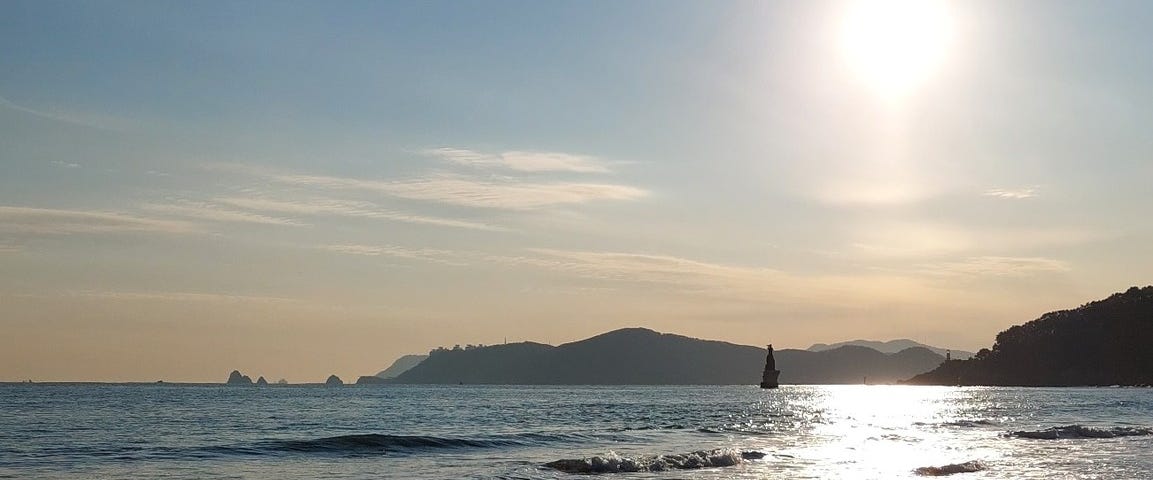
295 189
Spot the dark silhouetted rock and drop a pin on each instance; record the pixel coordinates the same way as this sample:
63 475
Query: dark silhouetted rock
370 380
235 378
333 381
401 365
261 381
643 357
1100 343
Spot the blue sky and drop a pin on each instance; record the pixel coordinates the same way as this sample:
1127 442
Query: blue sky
296 189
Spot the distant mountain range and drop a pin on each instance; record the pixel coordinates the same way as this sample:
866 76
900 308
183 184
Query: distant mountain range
639 356
1106 342
891 346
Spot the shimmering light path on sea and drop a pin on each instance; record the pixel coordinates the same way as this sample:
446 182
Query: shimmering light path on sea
177 431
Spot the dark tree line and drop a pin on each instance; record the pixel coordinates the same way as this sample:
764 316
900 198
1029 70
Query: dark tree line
1106 342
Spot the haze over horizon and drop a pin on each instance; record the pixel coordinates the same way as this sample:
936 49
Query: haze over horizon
296 189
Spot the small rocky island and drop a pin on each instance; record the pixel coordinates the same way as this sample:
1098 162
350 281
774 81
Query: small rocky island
333 381
235 378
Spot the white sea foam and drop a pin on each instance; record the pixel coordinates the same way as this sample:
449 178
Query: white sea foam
615 463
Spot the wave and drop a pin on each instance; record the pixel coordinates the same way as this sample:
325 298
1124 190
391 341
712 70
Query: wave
970 423
373 443
967 467
614 463
367 443
671 426
1081 431
741 428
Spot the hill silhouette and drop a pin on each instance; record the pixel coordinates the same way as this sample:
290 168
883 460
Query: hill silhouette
639 356
891 346
1100 343
401 365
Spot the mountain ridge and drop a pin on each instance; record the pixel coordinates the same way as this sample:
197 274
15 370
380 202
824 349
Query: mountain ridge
892 346
638 355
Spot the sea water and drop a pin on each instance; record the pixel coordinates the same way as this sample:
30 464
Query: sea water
515 432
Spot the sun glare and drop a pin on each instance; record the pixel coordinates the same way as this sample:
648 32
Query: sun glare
894 45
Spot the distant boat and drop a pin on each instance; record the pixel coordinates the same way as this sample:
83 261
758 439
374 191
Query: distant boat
769 378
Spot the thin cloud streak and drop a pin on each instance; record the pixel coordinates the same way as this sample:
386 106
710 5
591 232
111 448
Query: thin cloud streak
998 266
521 160
180 297
444 257
97 121
1014 194
56 221
347 208
753 285
205 211
928 239
460 190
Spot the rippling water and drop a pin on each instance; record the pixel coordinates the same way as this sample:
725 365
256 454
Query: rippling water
174 431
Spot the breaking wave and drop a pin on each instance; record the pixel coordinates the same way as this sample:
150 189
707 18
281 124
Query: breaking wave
967 467
614 463
1081 431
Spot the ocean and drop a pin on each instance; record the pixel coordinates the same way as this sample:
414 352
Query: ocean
514 432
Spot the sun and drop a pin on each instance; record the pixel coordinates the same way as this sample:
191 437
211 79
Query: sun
895 45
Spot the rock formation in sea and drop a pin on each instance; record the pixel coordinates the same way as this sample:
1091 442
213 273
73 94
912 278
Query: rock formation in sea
235 378
261 381
770 376
282 382
1099 343
333 381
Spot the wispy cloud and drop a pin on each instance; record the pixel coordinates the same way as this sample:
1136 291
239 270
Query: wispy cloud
747 284
58 163
56 221
348 208
191 297
1017 193
216 213
92 120
445 257
521 161
649 268
8 248
502 193
998 266
496 192
927 239
509 193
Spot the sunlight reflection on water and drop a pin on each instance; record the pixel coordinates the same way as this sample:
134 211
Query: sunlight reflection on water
874 432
